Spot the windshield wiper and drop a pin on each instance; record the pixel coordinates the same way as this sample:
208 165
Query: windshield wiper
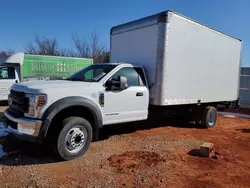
90 80
100 76
74 79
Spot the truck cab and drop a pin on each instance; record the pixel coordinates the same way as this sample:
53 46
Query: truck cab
71 111
9 74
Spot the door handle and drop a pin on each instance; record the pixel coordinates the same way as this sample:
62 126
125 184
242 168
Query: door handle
139 94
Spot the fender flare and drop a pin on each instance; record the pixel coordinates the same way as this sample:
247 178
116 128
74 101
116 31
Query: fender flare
64 103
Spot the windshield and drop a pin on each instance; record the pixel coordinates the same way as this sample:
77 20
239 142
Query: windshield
92 73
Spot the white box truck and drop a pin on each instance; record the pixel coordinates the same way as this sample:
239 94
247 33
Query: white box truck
161 63
19 67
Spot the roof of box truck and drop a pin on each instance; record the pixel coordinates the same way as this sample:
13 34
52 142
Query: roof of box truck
16 58
154 19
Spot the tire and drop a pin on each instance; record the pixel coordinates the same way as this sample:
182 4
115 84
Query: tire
209 117
74 138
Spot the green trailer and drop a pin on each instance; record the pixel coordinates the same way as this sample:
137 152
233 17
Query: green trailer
24 67
52 67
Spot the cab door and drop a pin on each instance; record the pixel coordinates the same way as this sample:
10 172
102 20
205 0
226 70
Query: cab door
130 104
8 76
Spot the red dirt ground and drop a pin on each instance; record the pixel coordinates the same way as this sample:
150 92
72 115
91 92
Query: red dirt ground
241 110
154 153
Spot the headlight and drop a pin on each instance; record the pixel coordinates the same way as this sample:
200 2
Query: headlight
36 103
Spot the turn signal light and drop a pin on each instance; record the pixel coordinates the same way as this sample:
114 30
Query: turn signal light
41 100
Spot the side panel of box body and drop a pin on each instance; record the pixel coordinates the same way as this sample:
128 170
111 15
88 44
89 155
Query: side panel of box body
200 64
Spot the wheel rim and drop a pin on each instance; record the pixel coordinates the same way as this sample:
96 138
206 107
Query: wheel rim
211 118
75 139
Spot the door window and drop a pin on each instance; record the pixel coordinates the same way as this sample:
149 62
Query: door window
7 73
130 74
142 78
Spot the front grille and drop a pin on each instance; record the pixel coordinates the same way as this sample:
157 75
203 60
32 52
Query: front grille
17 93
18 103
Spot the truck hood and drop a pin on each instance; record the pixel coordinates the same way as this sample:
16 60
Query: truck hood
60 89
42 86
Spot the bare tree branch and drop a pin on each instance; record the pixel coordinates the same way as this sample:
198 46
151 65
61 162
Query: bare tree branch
89 48
67 53
43 46
82 47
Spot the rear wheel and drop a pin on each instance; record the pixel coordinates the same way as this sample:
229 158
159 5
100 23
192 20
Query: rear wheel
209 117
74 138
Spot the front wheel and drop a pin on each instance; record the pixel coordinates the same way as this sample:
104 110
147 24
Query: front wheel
74 138
209 117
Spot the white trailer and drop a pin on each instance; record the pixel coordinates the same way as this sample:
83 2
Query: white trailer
185 62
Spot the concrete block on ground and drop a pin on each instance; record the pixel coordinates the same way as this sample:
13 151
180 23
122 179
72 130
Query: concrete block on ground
206 149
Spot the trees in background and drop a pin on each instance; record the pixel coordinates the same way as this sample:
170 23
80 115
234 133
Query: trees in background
6 52
43 46
90 47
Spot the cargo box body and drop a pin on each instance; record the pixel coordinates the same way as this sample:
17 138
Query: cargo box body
52 67
185 61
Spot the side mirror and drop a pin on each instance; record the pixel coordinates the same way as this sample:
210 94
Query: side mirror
109 84
120 84
123 82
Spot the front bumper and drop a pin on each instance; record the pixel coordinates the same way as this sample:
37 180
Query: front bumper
24 126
